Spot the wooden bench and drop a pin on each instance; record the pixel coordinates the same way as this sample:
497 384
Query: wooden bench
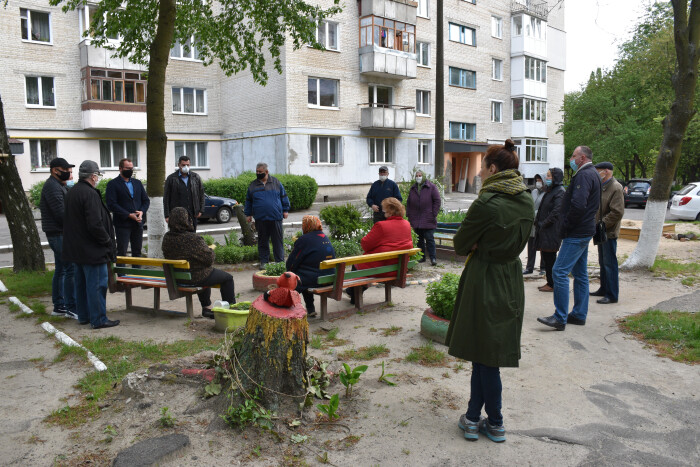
154 274
332 285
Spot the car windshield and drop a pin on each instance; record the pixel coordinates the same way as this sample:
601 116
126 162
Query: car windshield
640 186
687 189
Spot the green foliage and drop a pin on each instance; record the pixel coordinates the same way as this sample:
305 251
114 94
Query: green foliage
275 269
426 355
451 216
301 189
26 283
365 353
441 295
209 239
331 408
345 248
35 193
674 334
166 419
350 377
230 187
406 184
672 268
317 381
384 377
233 254
344 222
250 411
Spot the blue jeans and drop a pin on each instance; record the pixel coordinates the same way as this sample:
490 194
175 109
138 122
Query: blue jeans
486 391
62 285
609 280
572 258
426 238
91 293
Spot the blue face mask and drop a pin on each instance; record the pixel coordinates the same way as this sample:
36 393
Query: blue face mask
572 164
548 182
70 183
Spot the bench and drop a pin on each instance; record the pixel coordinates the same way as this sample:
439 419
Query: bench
155 274
332 285
444 244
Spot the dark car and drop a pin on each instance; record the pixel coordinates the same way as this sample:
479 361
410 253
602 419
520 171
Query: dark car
216 207
637 192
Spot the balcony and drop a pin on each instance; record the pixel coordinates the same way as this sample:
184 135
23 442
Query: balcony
105 119
387 63
529 7
387 117
529 128
399 10
98 57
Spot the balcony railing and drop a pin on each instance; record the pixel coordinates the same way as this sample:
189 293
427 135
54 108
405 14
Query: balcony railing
537 9
387 117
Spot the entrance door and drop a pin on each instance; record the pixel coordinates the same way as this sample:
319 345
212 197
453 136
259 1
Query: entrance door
464 165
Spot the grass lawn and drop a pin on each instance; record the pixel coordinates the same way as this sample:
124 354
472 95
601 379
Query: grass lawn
675 334
26 283
689 271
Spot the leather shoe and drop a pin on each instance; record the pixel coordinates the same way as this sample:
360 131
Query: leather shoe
527 271
572 320
545 288
597 293
207 313
107 324
552 322
605 301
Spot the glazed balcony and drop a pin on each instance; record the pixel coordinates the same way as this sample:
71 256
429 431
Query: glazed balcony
387 117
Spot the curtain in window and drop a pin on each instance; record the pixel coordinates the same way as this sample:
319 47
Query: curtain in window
332 36
132 152
200 101
179 149
175 51
106 90
202 155
48 151
328 93
177 105
105 154
47 91
34 151
188 100
140 92
117 152
312 93
32 90
190 152
40 27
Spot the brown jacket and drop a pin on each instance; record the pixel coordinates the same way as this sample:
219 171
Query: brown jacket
613 207
182 243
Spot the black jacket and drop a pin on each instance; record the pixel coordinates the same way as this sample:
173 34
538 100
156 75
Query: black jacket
120 202
379 191
88 234
549 215
581 203
309 250
52 205
177 194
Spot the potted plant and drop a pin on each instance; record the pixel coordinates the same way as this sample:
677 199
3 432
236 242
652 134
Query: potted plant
440 297
262 280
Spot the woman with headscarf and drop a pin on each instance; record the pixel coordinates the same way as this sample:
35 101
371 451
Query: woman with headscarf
422 208
488 313
306 256
182 243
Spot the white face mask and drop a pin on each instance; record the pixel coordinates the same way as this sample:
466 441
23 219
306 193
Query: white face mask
538 185
419 179
185 169
383 178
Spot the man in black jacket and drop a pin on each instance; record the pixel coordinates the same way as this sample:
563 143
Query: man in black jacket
184 189
128 202
52 205
380 190
579 209
89 243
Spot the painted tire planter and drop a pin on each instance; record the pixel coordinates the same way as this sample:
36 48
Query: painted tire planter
433 327
262 283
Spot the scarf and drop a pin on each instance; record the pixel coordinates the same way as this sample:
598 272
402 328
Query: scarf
508 182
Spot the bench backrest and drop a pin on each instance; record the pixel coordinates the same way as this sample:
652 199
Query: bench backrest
171 270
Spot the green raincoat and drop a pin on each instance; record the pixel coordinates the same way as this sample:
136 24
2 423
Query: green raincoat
488 314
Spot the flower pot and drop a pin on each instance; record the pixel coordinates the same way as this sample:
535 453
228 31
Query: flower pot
262 283
433 327
229 319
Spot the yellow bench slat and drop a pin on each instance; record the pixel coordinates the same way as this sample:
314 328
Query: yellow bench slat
178 263
350 260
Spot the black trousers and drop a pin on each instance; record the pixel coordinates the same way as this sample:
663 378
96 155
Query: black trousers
216 277
531 253
548 258
270 230
133 235
308 301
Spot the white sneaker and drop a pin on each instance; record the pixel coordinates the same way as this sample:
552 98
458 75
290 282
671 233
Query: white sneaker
71 315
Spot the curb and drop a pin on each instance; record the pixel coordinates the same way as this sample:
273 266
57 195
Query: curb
2 287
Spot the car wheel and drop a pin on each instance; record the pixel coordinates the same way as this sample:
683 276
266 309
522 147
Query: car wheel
223 215
697 218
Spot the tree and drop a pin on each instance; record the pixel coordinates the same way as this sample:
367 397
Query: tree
237 34
686 38
27 254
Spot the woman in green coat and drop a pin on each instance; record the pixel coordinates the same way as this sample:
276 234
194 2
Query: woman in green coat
488 314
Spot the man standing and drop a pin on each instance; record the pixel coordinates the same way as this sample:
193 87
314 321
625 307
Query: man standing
128 201
267 202
381 189
89 243
183 188
52 206
612 210
580 205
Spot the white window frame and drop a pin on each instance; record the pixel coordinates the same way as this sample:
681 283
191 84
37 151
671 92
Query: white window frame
28 19
496 118
84 22
535 150
194 158
535 69
39 79
533 110
373 99
420 110
387 151
497 27
497 76
317 140
37 143
425 151
515 29
463 131
425 11
318 105
461 76
337 34
182 101
114 162
461 31
194 52
423 57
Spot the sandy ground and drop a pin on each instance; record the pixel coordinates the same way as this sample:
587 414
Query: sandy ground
589 395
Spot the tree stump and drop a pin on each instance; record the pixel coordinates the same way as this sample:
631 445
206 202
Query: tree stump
273 352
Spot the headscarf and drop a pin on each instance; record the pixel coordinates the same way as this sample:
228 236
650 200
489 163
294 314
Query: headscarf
180 221
310 224
507 181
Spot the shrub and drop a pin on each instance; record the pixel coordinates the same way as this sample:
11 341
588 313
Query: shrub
230 187
35 193
344 222
441 295
405 186
451 216
301 189
275 269
233 254
209 239
345 248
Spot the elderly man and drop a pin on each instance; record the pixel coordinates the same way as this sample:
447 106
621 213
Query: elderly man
612 209
379 191
267 202
579 208
89 243
184 189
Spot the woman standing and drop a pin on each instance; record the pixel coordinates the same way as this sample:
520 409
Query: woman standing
422 207
547 223
488 314
537 195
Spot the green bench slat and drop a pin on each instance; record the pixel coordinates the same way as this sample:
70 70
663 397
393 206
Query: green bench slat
151 273
329 279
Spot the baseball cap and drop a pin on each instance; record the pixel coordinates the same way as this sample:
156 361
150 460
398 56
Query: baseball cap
384 168
89 167
604 165
60 162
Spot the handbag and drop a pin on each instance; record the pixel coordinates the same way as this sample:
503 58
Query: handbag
601 234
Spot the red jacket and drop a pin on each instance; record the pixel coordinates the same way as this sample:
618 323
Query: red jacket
392 234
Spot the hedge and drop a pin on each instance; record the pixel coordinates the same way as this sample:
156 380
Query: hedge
35 190
301 189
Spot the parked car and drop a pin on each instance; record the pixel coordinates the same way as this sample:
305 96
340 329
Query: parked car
637 192
686 203
216 207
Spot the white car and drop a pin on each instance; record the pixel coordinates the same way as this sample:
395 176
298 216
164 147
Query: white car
686 203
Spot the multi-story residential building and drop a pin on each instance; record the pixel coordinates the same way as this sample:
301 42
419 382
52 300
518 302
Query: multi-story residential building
337 114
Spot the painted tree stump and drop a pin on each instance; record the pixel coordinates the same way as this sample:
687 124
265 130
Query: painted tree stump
273 352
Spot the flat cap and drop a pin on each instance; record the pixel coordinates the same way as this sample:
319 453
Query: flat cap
60 162
89 167
384 168
604 165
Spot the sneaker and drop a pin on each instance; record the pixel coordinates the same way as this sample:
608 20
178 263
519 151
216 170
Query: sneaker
58 312
527 271
471 429
71 314
107 324
497 434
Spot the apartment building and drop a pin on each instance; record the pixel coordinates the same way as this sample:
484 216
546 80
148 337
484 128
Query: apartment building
337 114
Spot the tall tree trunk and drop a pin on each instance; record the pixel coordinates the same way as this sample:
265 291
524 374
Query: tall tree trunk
156 138
440 100
642 167
27 254
686 34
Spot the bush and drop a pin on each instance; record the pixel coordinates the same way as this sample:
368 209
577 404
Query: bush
451 216
230 187
234 254
275 269
345 248
405 186
344 222
209 239
35 193
441 295
301 189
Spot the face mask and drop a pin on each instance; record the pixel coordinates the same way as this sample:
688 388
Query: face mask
70 183
383 178
185 169
260 176
64 175
538 185
99 176
572 164
419 180
127 173
548 182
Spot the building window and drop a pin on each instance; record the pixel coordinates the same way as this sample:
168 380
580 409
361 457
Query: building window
424 151
39 91
195 150
423 51
535 69
462 78
327 35
111 152
86 17
496 111
42 152
529 109
517 26
190 101
424 8
380 96
387 33
462 34
381 151
121 87
423 102
324 149
323 92
535 150
534 28
35 25
463 131
497 27
185 51
497 69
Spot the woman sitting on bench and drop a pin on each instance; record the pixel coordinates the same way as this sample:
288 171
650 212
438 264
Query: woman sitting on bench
182 243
